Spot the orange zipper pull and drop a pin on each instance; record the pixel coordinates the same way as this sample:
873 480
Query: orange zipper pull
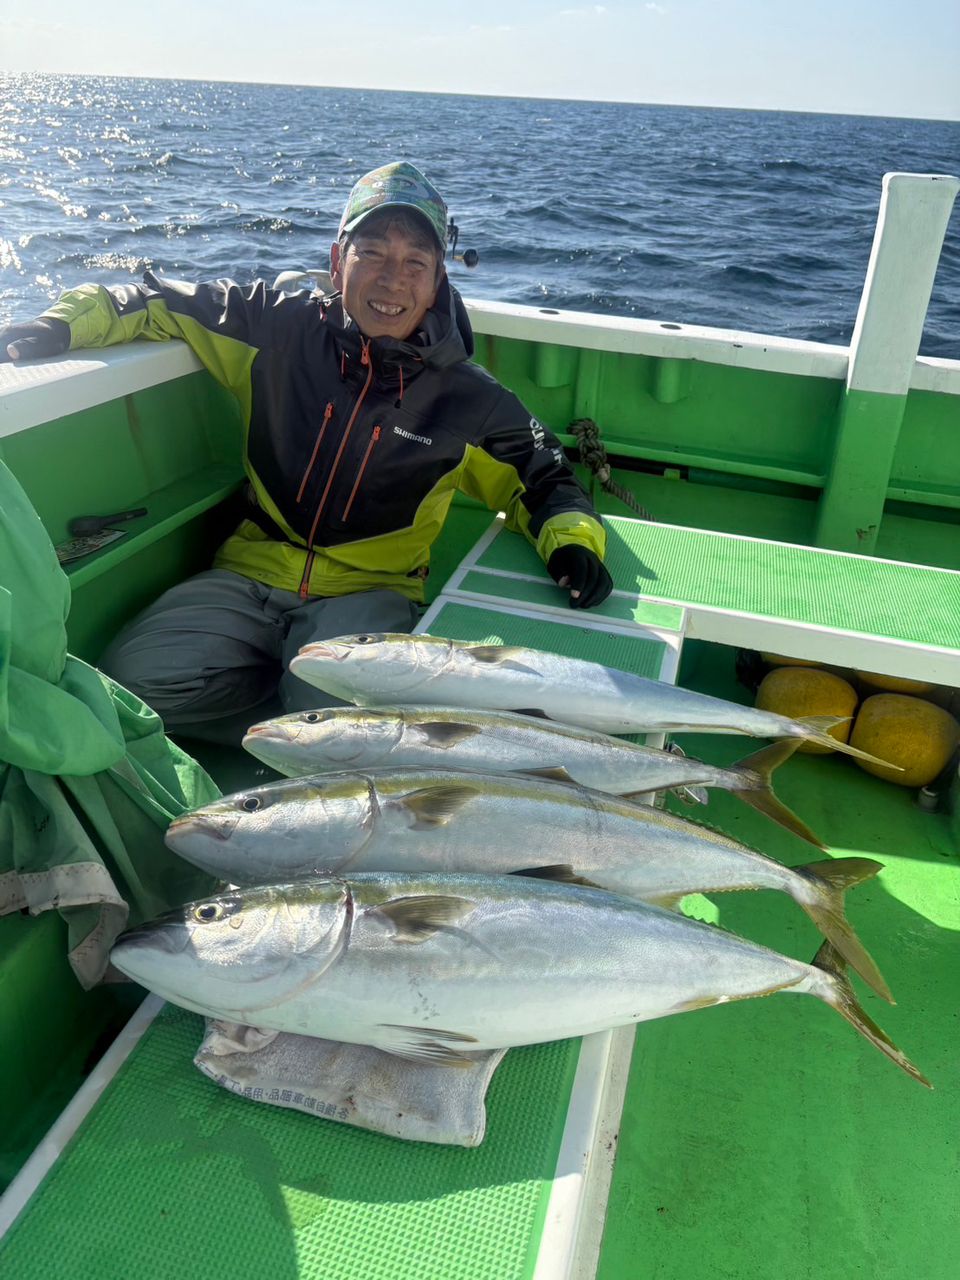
327 414
374 437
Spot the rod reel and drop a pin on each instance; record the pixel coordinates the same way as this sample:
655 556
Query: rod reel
469 257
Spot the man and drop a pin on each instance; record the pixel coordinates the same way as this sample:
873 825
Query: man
363 415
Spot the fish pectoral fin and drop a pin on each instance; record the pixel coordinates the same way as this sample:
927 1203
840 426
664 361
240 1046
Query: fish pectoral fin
443 734
434 806
561 872
419 917
504 656
556 773
428 1045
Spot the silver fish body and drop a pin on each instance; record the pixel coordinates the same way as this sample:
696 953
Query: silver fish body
334 738
442 821
386 669
435 968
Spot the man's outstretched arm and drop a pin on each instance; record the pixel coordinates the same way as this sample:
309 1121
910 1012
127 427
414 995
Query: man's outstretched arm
34 340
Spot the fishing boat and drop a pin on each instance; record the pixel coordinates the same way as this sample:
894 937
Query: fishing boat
761 494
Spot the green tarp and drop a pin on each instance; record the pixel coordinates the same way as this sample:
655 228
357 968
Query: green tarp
88 781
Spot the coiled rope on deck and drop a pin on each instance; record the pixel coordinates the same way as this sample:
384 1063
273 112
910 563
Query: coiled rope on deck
594 456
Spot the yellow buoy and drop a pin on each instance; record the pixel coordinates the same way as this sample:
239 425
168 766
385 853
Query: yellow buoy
911 732
781 660
807 691
894 684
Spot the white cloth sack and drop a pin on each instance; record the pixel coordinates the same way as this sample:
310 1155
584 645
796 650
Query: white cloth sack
352 1083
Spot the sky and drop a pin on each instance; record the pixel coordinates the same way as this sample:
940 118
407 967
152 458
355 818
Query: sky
868 57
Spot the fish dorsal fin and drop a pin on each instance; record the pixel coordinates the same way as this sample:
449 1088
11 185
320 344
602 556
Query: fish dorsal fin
501 655
429 1045
555 773
559 872
530 711
445 734
420 916
434 806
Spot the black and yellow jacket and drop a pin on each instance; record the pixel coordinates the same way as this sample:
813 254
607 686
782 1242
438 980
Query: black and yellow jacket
354 448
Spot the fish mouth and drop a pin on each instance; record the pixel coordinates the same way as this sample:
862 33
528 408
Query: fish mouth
167 933
217 826
260 731
317 649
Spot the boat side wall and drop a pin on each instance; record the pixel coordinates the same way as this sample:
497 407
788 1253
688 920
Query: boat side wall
685 414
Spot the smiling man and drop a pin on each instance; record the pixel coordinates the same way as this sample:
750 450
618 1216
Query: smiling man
363 415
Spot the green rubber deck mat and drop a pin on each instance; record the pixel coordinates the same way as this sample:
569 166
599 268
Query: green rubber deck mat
766 1140
768 579
172 1176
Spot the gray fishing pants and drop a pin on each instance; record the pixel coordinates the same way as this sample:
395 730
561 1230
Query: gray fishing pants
210 656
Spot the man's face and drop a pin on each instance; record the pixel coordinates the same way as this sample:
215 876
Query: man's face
388 278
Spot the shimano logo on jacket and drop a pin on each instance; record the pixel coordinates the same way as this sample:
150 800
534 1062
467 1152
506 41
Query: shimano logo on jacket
408 435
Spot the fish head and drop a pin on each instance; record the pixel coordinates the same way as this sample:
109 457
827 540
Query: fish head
308 741
239 952
371 667
282 829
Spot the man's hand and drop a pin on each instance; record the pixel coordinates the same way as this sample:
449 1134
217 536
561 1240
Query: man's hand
34 339
583 572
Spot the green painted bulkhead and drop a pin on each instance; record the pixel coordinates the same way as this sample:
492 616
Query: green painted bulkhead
676 431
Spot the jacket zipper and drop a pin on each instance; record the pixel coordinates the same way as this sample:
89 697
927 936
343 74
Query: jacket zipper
374 437
311 555
327 414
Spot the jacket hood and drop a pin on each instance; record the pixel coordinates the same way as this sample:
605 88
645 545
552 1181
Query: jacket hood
444 339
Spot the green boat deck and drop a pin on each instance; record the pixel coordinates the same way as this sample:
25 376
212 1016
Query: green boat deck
766 1138
760 1138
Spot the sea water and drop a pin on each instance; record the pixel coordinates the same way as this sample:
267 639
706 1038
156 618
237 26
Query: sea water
753 220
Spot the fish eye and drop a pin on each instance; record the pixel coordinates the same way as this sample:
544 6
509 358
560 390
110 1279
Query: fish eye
209 912
250 803
311 717
364 639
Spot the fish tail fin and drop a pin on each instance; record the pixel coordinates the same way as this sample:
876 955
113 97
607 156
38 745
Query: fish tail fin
829 881
757 791
815 729
841 996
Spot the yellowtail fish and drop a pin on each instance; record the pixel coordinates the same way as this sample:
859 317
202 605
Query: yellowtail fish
436 968
307 742
385 669
442 820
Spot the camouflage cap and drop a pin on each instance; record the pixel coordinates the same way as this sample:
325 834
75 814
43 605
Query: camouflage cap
395 184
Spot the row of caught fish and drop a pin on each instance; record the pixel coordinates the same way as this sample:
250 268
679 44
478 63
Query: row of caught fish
394 939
